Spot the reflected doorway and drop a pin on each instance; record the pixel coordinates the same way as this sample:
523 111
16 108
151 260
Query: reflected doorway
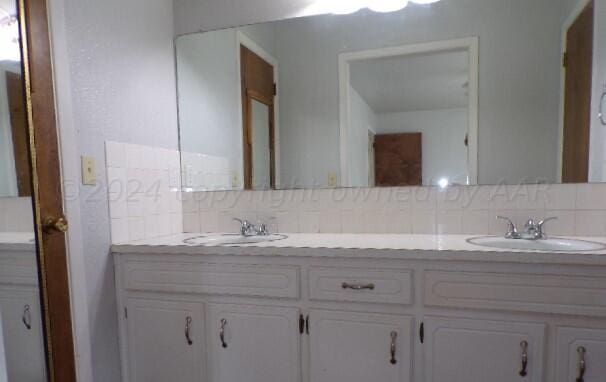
258 107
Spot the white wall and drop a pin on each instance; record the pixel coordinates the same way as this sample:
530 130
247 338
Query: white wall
210 96
16 215
115 80
362 119
444 154
8 177
195 15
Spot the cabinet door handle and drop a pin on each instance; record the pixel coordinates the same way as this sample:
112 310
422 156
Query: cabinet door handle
346 285
524 346
392 350
222 333
26 318
188 321
582 364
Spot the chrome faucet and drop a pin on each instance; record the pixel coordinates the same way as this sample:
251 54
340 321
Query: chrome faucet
535 229
249 229
246 227
512 231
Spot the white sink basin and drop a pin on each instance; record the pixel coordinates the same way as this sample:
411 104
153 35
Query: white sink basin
231 239
546 245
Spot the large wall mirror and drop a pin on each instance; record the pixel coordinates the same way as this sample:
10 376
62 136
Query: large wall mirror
14 157
456 92
22 345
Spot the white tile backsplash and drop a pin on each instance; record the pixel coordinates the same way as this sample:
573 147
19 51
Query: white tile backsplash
143 185
144 191
456 210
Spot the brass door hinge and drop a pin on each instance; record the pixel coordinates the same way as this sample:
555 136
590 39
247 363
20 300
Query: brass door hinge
565 59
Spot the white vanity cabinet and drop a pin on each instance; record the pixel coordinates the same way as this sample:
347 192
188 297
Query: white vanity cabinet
327 315
359 347
253 343
165 340
581 355
22 331
482 350
21 316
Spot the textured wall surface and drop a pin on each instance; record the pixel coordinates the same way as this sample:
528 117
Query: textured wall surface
122 87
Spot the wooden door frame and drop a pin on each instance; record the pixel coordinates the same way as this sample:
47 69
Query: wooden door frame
247 137
470 44
243 40
46 176
574 15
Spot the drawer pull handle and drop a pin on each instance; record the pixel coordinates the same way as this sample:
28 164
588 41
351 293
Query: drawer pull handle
582 364
394 337
222 333
524 345
188 321
346 285
27 317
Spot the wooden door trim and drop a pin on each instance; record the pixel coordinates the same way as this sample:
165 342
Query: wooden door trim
574 15
243 40
576 105
46 175
248 93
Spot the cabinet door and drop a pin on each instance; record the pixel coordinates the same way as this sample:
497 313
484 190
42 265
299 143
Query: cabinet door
578 346
253 343
357 347
482 351
165 341
22 332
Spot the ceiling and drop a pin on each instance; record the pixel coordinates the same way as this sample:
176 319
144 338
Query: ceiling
408 83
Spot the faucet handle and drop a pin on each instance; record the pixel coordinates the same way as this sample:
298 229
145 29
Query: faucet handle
512 231
540 225
244 225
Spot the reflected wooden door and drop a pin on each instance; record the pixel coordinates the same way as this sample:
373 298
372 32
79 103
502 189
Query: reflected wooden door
578 62
398 160
258 94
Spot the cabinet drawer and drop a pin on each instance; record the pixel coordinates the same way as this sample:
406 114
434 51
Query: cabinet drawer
531 293
358 285
207 278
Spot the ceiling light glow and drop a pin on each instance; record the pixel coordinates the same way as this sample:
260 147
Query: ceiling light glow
385 6
344 7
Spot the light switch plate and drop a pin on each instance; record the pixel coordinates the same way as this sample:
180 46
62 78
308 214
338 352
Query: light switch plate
89 171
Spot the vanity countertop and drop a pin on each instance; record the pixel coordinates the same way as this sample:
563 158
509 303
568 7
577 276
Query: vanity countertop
17 241
414 247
